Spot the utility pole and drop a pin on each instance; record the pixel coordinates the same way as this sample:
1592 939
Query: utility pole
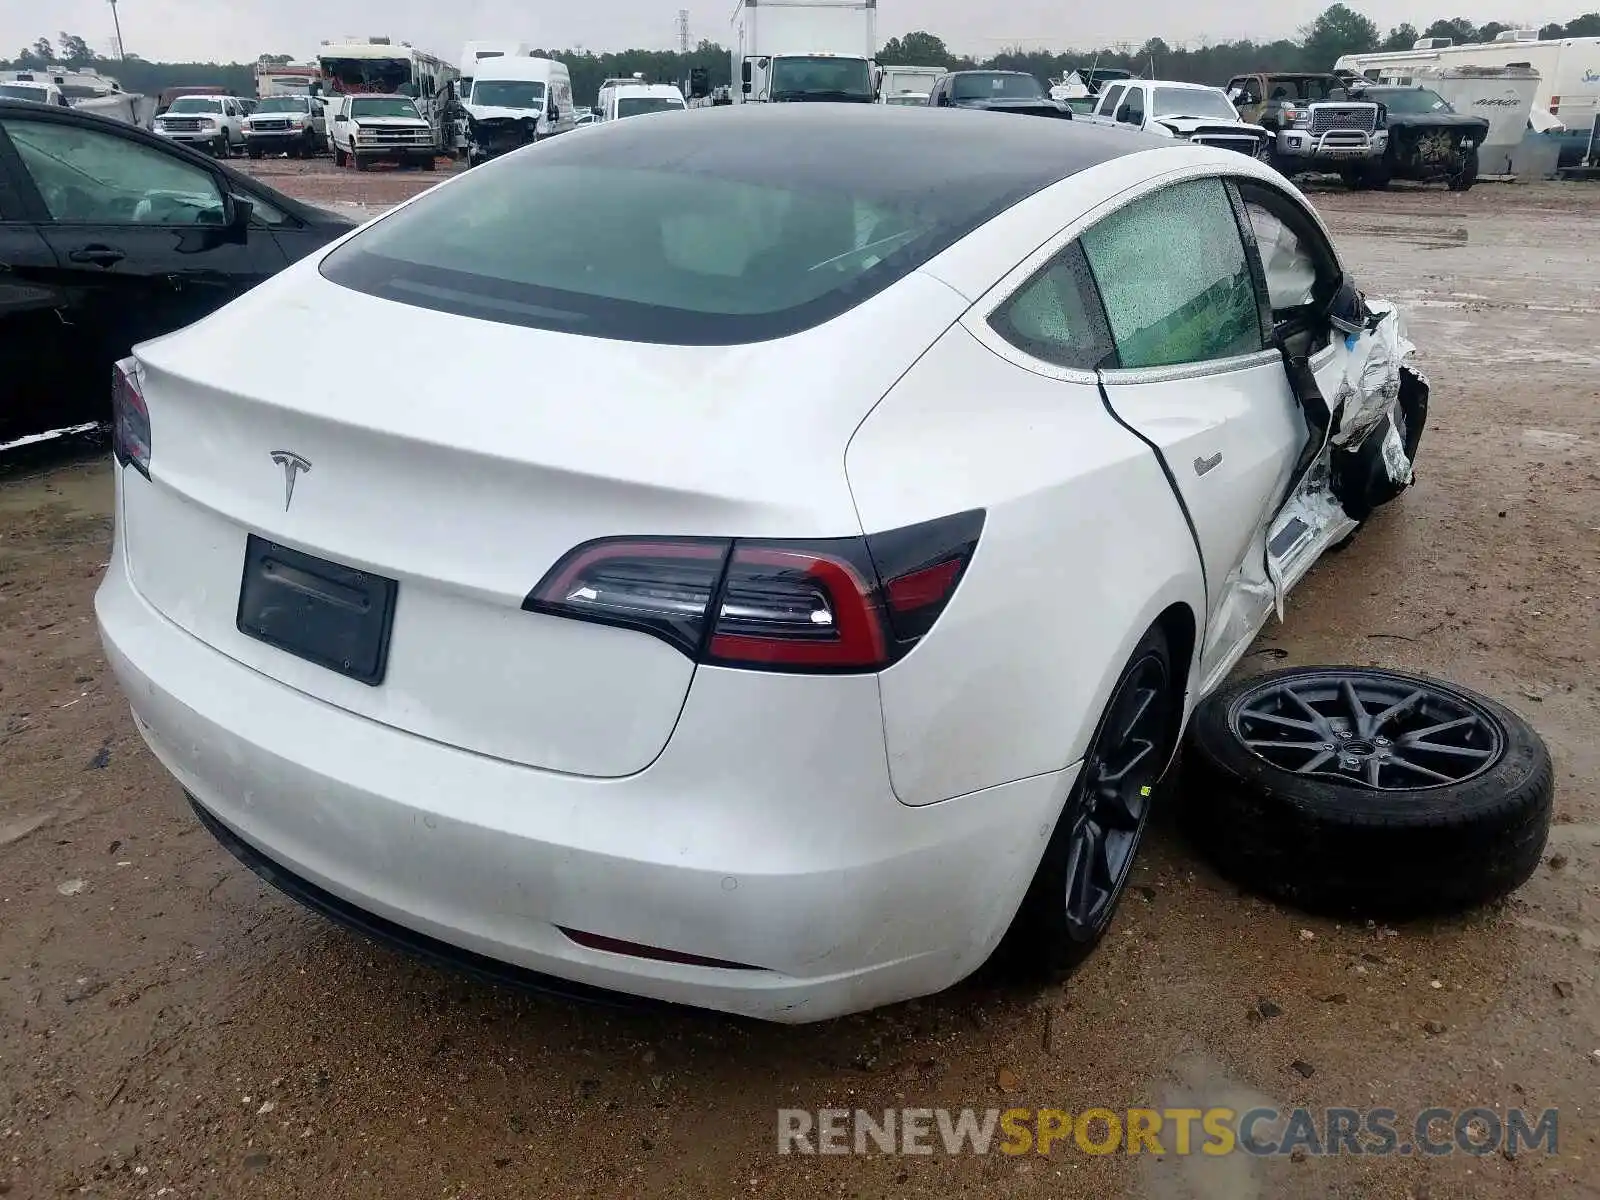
683 31
122 54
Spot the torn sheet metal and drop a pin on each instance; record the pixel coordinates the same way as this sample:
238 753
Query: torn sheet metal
1318 517
1395 460
1371 382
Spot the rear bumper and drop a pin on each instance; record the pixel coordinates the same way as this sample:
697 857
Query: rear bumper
766 833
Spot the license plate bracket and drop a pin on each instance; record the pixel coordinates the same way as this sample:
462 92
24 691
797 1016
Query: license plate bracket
324 612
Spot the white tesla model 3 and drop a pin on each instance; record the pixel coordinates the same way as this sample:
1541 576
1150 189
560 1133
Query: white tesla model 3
756 559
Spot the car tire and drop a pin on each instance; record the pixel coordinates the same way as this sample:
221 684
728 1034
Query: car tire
1327 842
358 162
220 148
338 157
1354 179
429 164
1060 922
1467 176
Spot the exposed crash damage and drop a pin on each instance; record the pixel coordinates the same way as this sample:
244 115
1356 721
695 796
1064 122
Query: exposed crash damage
490 137
1366 405
1428 140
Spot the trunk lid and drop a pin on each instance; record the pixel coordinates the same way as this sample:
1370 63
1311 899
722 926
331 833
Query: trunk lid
462 459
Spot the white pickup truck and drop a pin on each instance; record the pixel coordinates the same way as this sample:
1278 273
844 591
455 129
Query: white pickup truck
1190 111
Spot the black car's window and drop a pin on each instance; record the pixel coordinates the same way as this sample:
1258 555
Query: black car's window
1409 101
979 85
1172 272
1056 316
89 176
639 238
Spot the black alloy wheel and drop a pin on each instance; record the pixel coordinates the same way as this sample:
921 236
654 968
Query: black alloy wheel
1089 857
1365 791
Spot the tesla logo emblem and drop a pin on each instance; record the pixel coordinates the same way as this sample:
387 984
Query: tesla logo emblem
292 465
1202 465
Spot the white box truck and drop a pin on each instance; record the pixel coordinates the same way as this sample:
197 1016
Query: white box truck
805 50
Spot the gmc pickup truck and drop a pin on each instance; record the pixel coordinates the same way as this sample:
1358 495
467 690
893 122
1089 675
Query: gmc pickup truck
1314 122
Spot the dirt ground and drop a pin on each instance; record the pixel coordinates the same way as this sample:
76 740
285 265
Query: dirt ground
171 1027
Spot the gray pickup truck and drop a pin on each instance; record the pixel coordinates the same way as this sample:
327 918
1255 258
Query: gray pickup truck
1315 124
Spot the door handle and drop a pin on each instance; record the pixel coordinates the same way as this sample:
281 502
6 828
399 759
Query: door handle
102 256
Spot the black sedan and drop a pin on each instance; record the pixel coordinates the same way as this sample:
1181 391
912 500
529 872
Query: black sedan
996 91
110 235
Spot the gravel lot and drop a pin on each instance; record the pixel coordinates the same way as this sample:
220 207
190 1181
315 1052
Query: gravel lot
171 1027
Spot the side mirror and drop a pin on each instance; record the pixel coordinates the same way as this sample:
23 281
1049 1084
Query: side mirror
1347 311
338 117
745 87
236 212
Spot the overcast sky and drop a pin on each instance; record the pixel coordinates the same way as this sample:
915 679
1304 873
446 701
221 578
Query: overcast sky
216 30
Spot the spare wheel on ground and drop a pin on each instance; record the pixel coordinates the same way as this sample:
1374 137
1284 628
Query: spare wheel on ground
1356 790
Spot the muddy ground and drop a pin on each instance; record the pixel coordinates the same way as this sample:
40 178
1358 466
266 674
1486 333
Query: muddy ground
171 1027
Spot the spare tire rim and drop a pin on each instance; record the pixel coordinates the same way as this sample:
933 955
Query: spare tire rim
1374 731
1120 772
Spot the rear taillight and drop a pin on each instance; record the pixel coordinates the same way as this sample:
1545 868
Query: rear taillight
130 419
833 605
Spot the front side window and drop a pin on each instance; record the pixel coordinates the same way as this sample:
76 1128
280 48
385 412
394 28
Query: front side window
508 93
1299 267
1113 98
1172 272
88 176
999 85
1133 107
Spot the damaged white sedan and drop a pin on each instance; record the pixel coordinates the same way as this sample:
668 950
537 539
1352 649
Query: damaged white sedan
851 507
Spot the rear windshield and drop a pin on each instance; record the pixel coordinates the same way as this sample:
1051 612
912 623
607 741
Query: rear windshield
1409 100
657 236
22 91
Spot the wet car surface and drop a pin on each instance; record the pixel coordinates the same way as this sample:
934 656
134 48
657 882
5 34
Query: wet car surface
166 1020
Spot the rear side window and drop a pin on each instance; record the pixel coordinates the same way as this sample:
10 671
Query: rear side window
638 239
1172 272
1056 316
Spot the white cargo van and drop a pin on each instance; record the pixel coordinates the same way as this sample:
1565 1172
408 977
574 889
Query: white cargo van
908 85
635 98
515 100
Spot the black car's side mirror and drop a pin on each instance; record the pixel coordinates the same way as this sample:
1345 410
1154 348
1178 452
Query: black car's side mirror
236 214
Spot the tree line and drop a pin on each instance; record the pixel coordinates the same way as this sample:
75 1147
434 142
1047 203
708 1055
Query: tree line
1337 30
